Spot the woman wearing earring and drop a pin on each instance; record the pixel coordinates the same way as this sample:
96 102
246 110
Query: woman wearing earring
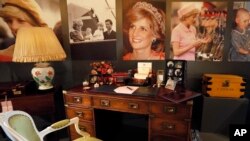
145 30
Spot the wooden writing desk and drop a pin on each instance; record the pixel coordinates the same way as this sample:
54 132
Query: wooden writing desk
166 120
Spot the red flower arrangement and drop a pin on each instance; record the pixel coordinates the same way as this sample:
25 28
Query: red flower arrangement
101 68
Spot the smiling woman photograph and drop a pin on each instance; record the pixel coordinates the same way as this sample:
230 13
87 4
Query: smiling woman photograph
144 32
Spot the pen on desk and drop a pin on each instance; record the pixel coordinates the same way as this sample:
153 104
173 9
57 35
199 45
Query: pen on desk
130 88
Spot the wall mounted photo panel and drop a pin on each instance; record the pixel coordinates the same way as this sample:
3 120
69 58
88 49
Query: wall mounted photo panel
143 30
240 34
44 12
198 30
92 29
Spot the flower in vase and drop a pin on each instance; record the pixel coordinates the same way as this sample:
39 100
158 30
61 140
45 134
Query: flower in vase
102 67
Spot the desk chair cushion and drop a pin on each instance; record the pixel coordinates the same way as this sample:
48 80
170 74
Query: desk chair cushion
23 125
87 139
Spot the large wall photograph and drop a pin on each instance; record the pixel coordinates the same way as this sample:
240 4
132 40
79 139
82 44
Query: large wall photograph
198 30
15 14
92 29
240 34
144 30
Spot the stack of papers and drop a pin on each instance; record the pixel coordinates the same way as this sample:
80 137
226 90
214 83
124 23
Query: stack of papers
143 70
126 89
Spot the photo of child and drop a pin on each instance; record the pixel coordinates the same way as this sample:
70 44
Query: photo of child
240 34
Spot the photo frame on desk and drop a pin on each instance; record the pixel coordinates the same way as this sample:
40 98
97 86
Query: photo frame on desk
176 70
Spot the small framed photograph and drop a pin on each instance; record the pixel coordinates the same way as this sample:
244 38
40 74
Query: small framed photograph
175 69
93 79
170 64
160 76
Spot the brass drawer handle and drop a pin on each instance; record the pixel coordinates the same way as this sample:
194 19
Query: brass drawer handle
77 99
187 120
105 102
133 105
64 92
170 109
79 114
82 128
151 116
167 126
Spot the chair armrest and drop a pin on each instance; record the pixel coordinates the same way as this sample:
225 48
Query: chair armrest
63 124
60 124
75 120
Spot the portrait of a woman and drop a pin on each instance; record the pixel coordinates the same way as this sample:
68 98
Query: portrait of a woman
183 37
197 30
144 29
16 14
19 14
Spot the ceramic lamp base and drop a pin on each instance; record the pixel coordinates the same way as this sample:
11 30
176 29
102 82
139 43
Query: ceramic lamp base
43 74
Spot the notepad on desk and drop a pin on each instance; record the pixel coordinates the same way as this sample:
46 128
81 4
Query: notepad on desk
126 89
137 91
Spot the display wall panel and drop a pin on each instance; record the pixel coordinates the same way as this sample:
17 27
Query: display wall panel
143 29
89 21
45 12
198 30
239 49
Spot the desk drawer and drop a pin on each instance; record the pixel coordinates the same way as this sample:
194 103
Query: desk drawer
83 114
122 105
176 110
169 127
84 126
79 100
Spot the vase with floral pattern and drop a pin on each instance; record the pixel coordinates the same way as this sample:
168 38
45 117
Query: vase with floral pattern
43 74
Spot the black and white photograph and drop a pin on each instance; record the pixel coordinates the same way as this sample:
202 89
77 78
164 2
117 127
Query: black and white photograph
92 29
89 21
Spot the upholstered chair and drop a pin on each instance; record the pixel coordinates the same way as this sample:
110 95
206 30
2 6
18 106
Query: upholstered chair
19 126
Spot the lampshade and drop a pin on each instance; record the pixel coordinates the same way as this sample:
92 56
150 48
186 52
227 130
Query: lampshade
38 44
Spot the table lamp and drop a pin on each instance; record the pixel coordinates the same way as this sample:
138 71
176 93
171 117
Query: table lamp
39 45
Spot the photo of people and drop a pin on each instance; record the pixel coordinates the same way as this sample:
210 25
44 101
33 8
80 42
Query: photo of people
89 21
197 30
15 14
144 30
240 34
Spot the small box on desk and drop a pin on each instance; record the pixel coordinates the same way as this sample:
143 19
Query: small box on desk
119 77
13 89
223 85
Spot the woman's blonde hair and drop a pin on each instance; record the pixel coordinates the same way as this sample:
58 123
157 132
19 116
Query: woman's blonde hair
28 10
